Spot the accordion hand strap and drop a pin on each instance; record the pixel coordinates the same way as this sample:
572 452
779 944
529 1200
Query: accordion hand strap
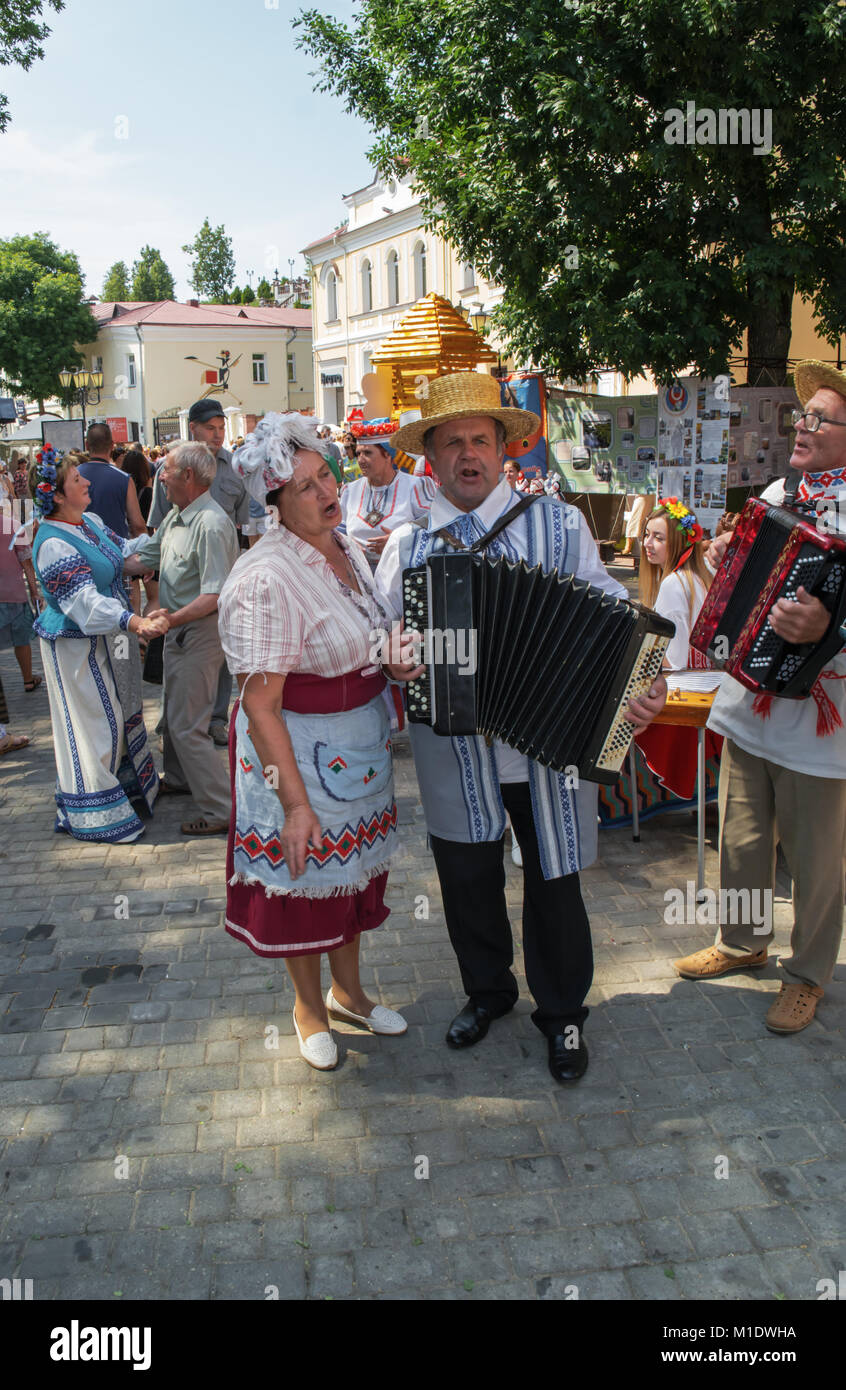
485 540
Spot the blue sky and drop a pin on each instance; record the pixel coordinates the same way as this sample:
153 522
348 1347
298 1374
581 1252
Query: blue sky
145 118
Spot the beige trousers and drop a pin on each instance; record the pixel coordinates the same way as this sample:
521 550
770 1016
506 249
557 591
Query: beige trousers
192 657
762 803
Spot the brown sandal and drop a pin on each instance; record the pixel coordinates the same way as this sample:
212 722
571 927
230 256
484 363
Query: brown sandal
12 742
204 827
29 686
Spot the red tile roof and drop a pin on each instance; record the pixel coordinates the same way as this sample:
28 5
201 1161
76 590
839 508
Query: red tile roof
330 236
168 313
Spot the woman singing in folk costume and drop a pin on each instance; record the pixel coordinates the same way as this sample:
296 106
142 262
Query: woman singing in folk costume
383 498
674 580
92 667
314 818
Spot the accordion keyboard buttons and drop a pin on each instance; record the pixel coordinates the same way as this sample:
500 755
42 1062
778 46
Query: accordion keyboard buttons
645 670
415 618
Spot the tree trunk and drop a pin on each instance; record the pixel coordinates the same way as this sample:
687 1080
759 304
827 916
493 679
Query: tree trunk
40 405
768 332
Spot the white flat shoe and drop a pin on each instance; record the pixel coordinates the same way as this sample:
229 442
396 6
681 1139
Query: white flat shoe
516 854
381 1020
320 1050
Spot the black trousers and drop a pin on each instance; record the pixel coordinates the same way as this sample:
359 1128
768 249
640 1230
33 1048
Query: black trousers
556 932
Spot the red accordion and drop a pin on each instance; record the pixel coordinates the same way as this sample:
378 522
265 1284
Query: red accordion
771 553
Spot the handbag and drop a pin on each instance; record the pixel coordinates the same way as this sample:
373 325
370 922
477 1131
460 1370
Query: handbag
153 671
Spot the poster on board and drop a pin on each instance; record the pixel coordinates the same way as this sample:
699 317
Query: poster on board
693 445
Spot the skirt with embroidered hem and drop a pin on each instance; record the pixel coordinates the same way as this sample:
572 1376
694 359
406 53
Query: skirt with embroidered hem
287 926
103 760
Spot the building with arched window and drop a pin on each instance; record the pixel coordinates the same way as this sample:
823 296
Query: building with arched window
365 277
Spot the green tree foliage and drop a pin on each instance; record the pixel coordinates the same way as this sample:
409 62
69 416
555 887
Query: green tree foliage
42 314
539 138
21 37
265 290
151 278
248 295
212 263
116 285
235 296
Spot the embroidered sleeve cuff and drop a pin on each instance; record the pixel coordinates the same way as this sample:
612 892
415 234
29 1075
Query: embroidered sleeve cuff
125 619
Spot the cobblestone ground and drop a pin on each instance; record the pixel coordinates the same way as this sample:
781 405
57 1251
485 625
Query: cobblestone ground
131 1025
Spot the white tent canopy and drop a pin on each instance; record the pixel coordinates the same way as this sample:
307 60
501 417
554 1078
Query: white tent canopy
26 438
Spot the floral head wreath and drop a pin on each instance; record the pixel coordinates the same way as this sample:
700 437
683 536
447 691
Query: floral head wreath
686 523
44 502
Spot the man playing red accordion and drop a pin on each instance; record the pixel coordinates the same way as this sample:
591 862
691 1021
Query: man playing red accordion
783 772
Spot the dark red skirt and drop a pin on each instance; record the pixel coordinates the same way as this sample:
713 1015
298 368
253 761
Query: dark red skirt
282 925
670 750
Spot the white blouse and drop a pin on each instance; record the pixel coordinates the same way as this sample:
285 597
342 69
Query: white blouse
284 609
673 602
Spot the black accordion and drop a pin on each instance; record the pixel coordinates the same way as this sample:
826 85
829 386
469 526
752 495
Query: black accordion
545 663
771 553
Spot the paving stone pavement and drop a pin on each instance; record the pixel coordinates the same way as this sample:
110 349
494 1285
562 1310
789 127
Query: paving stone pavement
160 1136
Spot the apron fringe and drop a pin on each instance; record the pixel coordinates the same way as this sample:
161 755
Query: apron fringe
342 890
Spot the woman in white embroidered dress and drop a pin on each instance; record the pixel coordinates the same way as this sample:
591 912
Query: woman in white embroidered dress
314 818
383 498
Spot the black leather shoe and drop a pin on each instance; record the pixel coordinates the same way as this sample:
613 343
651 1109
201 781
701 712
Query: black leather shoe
566 1062
470 1026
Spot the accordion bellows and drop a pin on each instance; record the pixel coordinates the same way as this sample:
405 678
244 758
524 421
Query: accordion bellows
771 553
543 662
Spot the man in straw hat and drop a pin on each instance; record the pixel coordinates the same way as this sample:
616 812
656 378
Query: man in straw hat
783 769
466 786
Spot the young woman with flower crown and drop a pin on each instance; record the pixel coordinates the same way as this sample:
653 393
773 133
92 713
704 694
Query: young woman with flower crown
674 580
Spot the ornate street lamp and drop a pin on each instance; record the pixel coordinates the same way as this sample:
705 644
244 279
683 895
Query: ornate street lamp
86 388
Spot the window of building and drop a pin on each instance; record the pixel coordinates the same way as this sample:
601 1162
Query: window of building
366 287
419 270
331 296
292 367
259 369
96 364
131 369
393 278
365 361
469 281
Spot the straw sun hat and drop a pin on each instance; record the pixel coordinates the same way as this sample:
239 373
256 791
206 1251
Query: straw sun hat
809 376
460 396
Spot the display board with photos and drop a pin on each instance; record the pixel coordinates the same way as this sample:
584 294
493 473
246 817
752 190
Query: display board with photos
761 440
603 443
693 445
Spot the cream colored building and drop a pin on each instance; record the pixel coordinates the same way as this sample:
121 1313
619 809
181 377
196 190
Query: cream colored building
158 358
366 276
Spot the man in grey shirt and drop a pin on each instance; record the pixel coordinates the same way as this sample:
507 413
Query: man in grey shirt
194 549
207 425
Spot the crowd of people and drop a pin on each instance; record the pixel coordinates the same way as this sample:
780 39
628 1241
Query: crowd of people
269 568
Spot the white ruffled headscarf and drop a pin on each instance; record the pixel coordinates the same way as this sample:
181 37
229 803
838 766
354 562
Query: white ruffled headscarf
266 458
